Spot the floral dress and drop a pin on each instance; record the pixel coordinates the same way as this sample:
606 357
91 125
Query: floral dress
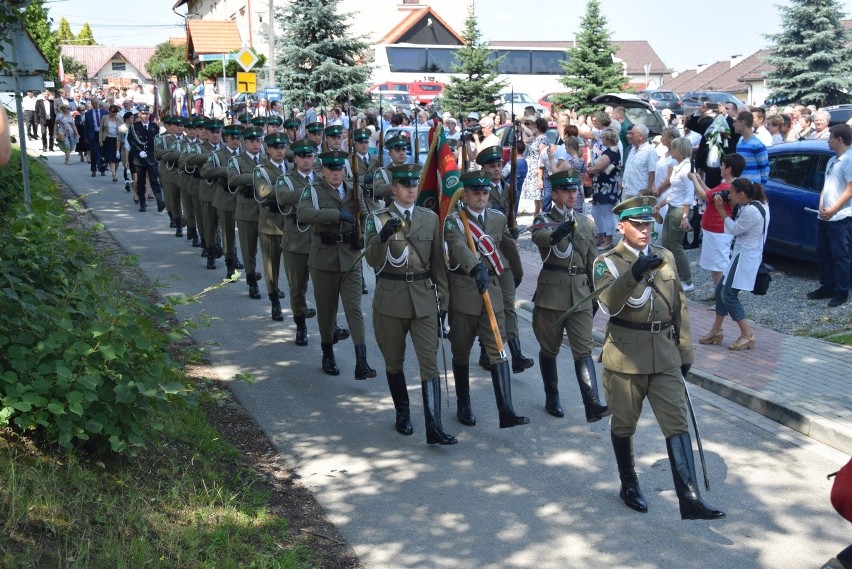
606 188
65 124
531 189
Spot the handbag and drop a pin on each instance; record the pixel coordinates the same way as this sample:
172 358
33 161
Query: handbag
60 135
763 277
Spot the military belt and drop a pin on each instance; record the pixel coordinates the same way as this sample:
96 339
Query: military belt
567 270
652 327
407 277
330 238
462 272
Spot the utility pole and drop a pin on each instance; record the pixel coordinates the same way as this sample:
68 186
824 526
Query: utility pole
271 36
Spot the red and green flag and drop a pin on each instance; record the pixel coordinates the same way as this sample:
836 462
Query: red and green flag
440 177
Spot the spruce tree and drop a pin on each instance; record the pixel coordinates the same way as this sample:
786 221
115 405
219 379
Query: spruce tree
590 69
64 35
317 57
812 56
479 86
86 37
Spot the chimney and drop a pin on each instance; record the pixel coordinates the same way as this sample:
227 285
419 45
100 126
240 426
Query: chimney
735 59
701 67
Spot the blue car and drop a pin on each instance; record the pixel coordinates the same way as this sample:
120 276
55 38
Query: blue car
796 176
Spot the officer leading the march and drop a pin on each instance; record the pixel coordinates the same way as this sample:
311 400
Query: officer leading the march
646 352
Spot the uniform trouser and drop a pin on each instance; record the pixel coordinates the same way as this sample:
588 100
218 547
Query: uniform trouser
228 227
673 241
464 328
390 336
186 202
30 122
296 268
626 392
507 286
97 159
195 201
578 326
210 222
329 288
270 251
144 170
248 244
47 134
166 186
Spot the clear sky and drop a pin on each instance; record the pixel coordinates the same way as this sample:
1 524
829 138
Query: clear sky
684 33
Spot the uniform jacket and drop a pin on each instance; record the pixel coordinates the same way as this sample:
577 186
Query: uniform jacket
559 290
639 351
142 138
503 202
288 192
216 168
241 177
320 206
162 144
270 217
397 298
189 174
207 189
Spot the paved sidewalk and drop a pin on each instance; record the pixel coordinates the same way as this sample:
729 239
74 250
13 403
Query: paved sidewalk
803 383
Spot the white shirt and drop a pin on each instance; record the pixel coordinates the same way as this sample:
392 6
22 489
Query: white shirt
838 173
763 136
640 162
748 245
682 191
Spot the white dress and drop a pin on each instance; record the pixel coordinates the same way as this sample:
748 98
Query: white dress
749 237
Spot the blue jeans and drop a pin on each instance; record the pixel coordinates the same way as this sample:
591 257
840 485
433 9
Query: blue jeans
545 195
727 297
833 248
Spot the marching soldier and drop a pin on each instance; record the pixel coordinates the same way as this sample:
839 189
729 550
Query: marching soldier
336 210
193 161
296 238
207 190
141 140
366 167
404 244
172 179
225 199
241 178
275 124
568 253
270 217
500 198
471 274
188 182
291 128
161 143
647 351
397 147
313 133
260 122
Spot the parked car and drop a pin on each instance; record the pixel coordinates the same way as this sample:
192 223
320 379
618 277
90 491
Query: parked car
518 101
422 138
238 103
424 92
548 101
796 176
393 99
692 100
660 100
390 86
639 111
839 114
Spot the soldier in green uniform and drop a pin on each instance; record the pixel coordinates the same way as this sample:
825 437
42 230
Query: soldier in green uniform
396 146
188 182
260 122
500 198
568 253
241 178
647 351
291 128
172 179
270 217
404 245
335 210
366 167
313 133
275 124
296 237
215 171
161 143
471 274
207 190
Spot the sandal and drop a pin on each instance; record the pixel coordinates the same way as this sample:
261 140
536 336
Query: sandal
742 343
714 337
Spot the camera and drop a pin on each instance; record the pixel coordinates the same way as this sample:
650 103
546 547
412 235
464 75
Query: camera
475 129
726 196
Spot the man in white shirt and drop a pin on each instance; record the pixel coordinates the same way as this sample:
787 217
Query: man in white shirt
760 131
641 164
28 104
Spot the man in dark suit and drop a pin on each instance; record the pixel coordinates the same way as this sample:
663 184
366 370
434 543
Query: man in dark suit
141 139
45 117
93 128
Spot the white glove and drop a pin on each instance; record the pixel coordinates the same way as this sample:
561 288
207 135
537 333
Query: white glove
143 155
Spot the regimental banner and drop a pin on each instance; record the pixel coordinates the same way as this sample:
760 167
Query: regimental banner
440 177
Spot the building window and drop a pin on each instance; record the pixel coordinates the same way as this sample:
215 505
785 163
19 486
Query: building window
514 63
411 1
407 59
547 62
119 66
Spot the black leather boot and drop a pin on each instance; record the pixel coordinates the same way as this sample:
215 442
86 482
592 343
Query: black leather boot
364 285
630 493
229 265
203 248
329 365
362 368
196 242
310 313
484 360
595 410
161 204
254 292
171 220
237 264
502 381
550 377
178 227
340 334
519 361
273 298
692 505
461 374
211 259
301 330
432 411
399 394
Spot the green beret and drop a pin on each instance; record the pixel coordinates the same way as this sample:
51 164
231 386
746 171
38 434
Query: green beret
233 130
334 130
303 145
406 174
244 118
475 179
274 121
276 139
292 123
489 155
362 134
258 121
640 208
314 127
252 132
398 141
566 179
333 158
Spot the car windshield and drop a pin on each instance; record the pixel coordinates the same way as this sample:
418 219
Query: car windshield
409 132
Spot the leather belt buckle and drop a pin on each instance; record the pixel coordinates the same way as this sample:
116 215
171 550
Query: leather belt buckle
656 326
340 238
409 277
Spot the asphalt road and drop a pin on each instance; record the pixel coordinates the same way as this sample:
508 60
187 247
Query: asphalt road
544 495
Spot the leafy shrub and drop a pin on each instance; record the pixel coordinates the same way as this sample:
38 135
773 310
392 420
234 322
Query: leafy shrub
82 361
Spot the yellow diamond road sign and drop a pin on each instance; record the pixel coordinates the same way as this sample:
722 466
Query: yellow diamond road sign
246 59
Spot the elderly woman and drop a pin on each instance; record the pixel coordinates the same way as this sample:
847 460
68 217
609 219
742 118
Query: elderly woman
681 196
749 231
605 173
66 131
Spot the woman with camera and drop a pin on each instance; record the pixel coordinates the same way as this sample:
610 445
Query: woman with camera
716 245
749 233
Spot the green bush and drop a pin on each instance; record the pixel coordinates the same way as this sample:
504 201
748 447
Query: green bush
83 362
